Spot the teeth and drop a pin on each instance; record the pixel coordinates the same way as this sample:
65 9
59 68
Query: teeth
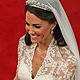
34 36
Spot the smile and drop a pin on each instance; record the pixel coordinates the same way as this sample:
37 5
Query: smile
34 36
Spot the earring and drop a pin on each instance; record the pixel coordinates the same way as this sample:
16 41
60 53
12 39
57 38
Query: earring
52 31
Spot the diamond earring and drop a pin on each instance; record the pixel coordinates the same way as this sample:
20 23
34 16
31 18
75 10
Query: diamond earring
52 31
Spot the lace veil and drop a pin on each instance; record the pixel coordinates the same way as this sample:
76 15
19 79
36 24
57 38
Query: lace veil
65 27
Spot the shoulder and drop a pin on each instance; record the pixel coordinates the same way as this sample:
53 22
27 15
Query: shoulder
62 50
22 39
65 50
66 65
67 54
21 44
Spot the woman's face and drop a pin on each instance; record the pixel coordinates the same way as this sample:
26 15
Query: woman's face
38 29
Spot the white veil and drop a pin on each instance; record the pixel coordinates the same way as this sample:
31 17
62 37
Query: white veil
67 32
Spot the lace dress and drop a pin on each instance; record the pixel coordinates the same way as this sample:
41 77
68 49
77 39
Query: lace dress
59 63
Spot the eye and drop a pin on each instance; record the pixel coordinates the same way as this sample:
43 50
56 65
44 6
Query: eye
27 23
37 26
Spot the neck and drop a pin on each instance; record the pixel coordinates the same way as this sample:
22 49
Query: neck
44 44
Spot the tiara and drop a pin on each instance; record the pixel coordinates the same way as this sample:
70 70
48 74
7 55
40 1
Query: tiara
38 5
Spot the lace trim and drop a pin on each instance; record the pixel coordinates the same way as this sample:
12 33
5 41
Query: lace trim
57 61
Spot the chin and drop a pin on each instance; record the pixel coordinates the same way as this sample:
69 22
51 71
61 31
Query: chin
34 41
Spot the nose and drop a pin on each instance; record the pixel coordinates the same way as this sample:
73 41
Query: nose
30 30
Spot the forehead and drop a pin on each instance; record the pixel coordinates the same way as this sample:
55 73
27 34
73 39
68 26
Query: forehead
33 19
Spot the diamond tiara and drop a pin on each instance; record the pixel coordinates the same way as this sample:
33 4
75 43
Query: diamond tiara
38 5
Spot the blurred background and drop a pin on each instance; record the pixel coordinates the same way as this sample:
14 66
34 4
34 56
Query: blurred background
12 27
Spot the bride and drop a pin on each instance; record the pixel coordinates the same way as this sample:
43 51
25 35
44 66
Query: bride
48 51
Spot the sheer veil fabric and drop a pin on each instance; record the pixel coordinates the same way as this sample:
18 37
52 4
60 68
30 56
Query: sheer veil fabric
67 32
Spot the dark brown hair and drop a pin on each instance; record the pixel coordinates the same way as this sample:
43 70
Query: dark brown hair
47 16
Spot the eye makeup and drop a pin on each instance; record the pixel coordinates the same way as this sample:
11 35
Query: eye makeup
35 25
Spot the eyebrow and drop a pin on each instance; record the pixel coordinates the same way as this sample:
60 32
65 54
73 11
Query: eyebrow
33 24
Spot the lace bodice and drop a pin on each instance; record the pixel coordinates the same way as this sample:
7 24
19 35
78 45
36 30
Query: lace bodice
59 63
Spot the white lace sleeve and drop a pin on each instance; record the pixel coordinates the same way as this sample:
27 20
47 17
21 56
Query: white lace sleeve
20 49
66 65
20 53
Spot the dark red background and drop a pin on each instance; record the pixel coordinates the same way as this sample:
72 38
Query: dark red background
12 23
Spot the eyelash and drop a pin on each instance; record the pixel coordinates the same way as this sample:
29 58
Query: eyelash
34 26
37 26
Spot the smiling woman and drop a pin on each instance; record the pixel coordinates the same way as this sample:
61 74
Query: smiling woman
41 34
46 52
49 18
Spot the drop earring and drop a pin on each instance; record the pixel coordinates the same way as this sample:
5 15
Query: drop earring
52 31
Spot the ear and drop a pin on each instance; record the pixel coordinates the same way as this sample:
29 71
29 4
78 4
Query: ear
54 24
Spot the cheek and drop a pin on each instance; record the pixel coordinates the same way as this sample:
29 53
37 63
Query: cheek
39 32
43 31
